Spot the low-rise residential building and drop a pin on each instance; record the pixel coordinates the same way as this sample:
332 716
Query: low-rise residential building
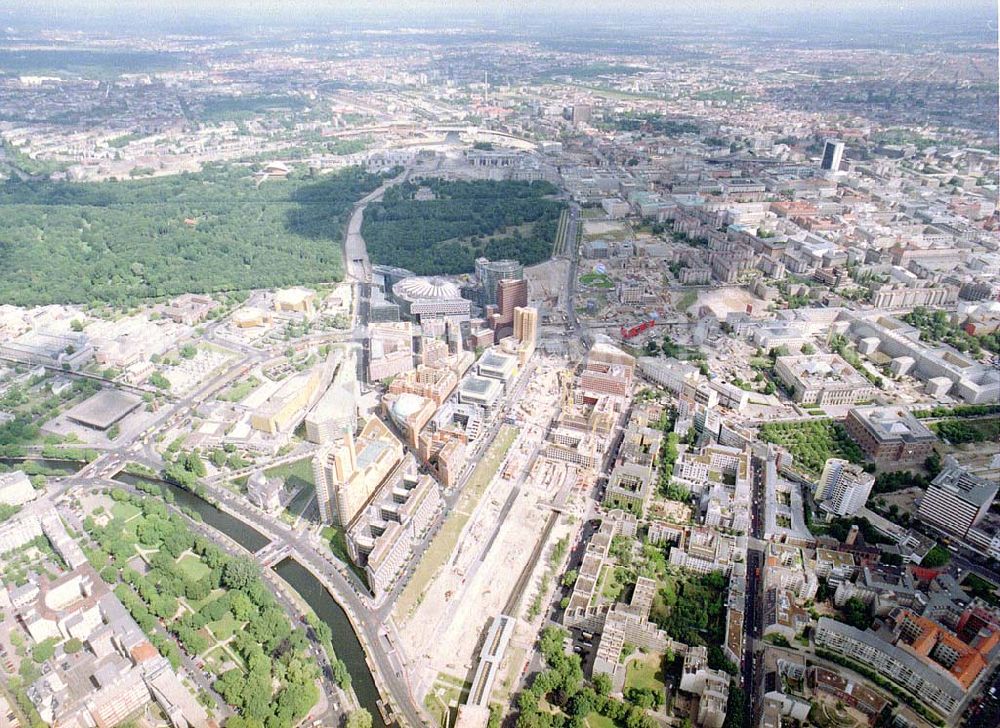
382 537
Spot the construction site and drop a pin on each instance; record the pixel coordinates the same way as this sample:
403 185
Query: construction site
496 564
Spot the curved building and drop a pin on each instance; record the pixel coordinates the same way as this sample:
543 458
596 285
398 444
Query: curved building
491 272
419 296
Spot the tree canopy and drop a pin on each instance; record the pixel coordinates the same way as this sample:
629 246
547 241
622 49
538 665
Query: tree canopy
120 242
462 221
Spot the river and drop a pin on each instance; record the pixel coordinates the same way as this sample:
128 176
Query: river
345 641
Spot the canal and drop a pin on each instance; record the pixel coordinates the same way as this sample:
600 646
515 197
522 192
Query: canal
345 641
45 466
249 538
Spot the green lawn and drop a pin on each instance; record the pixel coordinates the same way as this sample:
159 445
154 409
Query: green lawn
192 568
645 672
224 628
124 511
217 656
596 720
446 689
687 300
295 474
241 389
598 280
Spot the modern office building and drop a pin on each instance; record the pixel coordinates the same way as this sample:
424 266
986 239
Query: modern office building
481 391
384 277
390 349
891 436
336 412
580 113
491 272
833 153
511 294
608 370
409 412
348 472
843 488
286 407
494 364
956 500
58 350
630 488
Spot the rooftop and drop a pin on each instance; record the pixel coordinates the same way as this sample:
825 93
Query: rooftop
894 424
104 409
959 482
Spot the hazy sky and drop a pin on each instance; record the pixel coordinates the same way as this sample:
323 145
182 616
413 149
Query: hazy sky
285 12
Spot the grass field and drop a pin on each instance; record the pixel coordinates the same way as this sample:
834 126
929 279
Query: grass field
446 690
446 539
596 720
216 658
192 568
224 628
241 389
645 672
124 511
295 474
686 301
597 280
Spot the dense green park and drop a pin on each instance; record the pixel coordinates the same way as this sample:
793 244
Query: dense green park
184 590
463 221
812 442
217 230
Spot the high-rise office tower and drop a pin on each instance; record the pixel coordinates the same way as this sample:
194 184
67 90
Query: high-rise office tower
833 152
333 466
511 294
526 325
491 272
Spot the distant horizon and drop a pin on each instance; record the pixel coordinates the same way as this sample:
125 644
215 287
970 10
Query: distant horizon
504 15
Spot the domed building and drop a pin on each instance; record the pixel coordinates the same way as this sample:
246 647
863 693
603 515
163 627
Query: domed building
429 296
404 407
410 412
